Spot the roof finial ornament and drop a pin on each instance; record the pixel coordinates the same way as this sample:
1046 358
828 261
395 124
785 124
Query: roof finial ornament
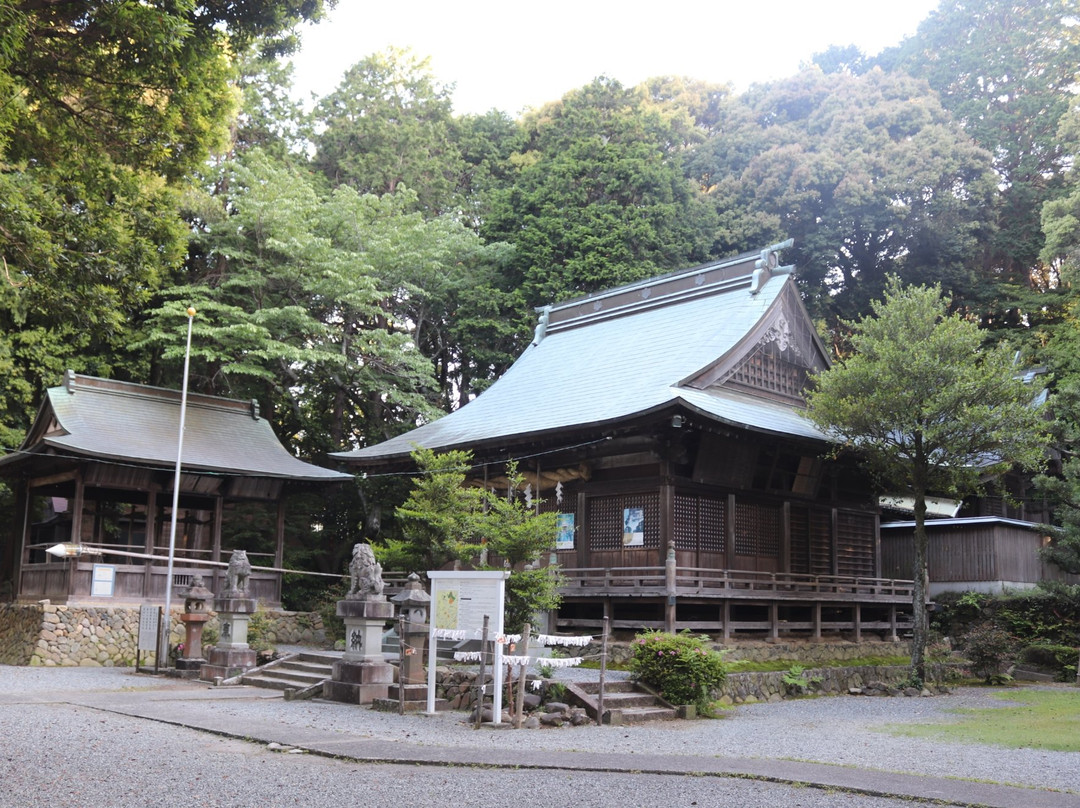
767 265
541 326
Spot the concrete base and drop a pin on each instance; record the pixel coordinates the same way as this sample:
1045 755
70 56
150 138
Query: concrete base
391 705
359 682
187 668
227 663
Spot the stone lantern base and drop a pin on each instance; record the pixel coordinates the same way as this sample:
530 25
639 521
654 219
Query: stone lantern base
232 655
362 674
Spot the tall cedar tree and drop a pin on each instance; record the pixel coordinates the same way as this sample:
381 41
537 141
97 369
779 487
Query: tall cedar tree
930 409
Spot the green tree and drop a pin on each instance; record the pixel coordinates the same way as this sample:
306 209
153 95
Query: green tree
929 409
516 532
1007 71
868 174
107 109
291 293
597 196
444 519
389 124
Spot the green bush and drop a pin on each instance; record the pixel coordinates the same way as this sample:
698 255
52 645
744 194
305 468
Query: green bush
1061 659
681 668
990 649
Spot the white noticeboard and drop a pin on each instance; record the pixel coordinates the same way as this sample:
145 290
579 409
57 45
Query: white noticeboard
101 585
149 617
459 602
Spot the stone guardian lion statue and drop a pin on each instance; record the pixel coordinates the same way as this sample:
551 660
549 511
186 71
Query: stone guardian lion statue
365 573
236 577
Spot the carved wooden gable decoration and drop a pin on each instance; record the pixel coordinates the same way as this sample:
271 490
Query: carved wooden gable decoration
774 360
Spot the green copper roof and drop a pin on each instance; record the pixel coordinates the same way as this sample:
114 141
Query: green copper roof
123 422
630 351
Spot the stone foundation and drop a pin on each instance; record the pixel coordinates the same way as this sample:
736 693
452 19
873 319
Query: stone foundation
47 635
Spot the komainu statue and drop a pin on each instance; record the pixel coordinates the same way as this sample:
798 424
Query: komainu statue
365 573
236 577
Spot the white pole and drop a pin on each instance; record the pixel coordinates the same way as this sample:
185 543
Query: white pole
176 487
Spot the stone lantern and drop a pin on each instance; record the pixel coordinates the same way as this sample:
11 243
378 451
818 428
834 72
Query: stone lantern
413 605
197 606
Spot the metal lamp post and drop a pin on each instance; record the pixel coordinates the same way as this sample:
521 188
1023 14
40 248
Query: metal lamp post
167 630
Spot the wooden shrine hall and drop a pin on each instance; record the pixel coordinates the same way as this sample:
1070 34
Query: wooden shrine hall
96 471
664 422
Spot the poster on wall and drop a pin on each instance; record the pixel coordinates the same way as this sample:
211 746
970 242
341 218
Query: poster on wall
633 534
564 531
103 580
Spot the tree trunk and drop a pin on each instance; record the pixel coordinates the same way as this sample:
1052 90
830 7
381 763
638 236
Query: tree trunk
921 628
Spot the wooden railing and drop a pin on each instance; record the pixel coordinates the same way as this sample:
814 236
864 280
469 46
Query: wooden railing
713 583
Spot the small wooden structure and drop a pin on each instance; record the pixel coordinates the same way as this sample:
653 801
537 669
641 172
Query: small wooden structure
977 553
664 422
96 470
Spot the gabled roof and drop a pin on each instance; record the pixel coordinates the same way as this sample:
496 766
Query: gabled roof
123 422
697 339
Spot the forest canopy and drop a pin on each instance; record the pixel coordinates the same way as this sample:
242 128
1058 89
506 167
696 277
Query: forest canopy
365 265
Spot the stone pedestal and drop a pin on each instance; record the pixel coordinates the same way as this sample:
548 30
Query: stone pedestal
232 655
412 676
362 675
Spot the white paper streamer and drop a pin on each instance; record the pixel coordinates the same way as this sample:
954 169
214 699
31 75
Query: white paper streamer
517 660
449 634
562 662
508 639
466 656
554 639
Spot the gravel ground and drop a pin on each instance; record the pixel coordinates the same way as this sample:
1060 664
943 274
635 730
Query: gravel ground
56 753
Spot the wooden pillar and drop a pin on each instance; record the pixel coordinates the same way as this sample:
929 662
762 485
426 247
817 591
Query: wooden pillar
877 545
148 541
581 531
21 556
857 617
893 636
216 575
774 621
725 618
834 560
729 528
76 530
817 621
785 538
279 550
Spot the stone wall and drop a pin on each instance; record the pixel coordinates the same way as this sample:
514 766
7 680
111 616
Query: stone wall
747 688
805 653
53 635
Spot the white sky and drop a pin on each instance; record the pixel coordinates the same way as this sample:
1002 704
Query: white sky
513 55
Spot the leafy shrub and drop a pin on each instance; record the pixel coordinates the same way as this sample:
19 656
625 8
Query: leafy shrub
681 667
797 681
1061 659
990 649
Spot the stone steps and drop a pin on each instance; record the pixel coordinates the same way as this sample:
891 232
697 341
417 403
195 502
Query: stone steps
303 671
625 702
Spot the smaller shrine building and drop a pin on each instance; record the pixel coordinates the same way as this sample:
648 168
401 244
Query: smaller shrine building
96 471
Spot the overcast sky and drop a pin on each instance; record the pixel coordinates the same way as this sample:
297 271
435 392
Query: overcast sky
512 56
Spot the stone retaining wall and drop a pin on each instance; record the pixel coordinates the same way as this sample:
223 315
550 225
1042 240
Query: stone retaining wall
52 635
747 688
806 653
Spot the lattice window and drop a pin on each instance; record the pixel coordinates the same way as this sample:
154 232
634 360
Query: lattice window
605 521
699 523
855 544
811 540
800 540
766 370
757 529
